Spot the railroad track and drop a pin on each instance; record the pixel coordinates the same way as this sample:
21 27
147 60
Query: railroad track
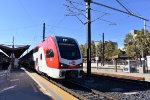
109 89
79 91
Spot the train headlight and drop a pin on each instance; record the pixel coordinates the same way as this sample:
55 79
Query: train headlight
63 65
80 65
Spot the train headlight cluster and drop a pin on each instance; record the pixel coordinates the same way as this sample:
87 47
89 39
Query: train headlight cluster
63 65
80 65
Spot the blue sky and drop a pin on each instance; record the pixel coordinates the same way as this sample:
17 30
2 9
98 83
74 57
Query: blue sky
24 20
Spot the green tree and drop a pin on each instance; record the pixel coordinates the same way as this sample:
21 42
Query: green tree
117 52
83 50
135 44
147 44
143 40
99 49
109 49
93 49
130 45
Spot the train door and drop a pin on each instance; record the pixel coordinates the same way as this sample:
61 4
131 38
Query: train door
41 61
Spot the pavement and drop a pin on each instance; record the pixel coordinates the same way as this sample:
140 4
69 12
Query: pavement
20 86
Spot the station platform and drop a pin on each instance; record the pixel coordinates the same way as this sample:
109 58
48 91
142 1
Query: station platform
19 86
120 74
28 85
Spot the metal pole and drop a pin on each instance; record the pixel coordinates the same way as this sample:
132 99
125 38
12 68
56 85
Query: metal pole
12 62
142 37
88 20
13 42
143 60
142 51
145 33
116 65
43 31
96 58
144 26
103 49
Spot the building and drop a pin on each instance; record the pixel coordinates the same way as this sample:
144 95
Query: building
115 45
134 33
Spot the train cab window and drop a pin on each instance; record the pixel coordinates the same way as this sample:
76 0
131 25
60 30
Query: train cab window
49 53
41 56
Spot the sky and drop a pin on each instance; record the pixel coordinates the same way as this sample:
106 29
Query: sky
24 20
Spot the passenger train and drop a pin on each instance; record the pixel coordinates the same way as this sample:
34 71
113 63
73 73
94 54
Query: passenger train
58 57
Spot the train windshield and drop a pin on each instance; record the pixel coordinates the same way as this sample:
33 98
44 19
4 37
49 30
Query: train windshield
68 48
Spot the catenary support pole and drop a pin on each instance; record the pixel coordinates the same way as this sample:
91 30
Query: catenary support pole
103 50
43 31
88 23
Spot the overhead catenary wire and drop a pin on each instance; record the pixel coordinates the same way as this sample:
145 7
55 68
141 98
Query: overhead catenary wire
77 17
51 28
98 18
76 8
134 12
83 5
110 23
124 7
76 3
119 10
79 12
72 13
99 11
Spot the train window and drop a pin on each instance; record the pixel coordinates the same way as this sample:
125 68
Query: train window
68 48
41 56
49 53
36 62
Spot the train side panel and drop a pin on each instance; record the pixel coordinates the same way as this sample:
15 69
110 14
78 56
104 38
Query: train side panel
46 59
52 58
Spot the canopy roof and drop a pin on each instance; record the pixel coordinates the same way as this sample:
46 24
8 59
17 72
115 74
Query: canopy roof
3 54
17 51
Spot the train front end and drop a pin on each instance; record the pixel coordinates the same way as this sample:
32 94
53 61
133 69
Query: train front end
70 57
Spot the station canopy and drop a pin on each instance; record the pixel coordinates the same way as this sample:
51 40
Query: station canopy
2 54
18 51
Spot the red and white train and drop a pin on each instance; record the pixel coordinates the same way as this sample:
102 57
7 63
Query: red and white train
58 57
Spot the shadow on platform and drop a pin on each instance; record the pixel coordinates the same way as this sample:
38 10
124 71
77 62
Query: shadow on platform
19 86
